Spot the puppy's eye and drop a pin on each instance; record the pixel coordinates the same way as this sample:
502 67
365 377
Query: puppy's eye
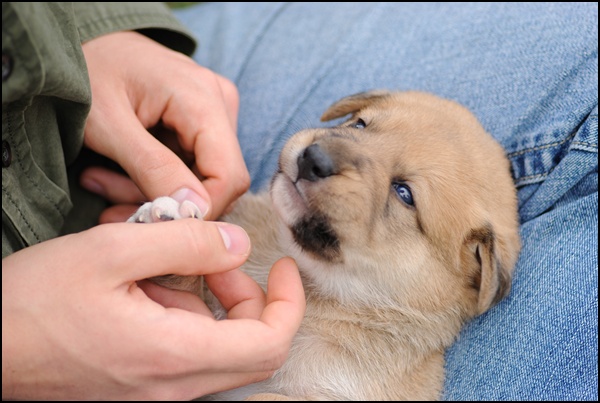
359 124
404 193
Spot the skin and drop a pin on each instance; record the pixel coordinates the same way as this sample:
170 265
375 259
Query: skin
79 321
153 84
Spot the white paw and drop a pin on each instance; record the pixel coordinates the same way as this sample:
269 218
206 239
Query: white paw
165 209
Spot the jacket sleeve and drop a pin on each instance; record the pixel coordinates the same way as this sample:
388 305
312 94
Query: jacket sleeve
154 20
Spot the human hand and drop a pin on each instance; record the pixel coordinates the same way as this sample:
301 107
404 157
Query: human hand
76 325
138 84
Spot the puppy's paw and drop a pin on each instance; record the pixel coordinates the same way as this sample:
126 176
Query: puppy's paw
165 209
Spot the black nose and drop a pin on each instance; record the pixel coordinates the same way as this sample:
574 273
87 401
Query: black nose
314 163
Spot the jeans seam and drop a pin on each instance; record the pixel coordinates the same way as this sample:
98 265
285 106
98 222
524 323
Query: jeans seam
586 145
530 177
542 147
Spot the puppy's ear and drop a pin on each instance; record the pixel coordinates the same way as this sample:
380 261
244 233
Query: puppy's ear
352 103
488 275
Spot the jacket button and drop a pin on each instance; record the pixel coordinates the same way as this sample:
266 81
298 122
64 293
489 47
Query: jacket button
7 65
6 154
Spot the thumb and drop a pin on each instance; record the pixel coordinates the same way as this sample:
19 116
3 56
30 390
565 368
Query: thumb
186 247
154 168
159 172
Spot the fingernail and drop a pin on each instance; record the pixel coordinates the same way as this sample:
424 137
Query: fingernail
92 186
235 239
189 195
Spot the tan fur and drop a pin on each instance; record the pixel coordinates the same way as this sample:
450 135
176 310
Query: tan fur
385 303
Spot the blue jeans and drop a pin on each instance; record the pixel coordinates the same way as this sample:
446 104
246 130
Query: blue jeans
530 74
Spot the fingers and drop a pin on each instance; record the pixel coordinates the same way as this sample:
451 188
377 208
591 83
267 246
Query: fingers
285 297
231 98
114 187
119 213
206 126
170 298
153 167
238 293
135 99
256 345
123 192
248 348
258 340
117 189
185 247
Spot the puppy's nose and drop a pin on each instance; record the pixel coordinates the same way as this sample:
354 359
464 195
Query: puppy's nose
314 164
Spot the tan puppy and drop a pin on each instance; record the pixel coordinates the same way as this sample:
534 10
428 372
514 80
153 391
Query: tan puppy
403 222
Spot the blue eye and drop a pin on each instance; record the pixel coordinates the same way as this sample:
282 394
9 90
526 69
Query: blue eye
360 124
404 193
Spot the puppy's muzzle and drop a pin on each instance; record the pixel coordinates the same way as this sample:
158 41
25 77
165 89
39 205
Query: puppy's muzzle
314 163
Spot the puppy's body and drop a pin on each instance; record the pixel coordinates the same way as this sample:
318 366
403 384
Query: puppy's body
403 223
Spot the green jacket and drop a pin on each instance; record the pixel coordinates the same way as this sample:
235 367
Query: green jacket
46 98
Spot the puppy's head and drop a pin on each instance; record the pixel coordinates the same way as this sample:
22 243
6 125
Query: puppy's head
408 200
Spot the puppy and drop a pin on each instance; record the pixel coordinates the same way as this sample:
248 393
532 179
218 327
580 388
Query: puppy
403 222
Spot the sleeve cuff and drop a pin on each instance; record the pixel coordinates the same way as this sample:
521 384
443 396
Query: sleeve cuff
154 20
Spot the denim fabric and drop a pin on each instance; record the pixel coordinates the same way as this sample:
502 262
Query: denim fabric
529 72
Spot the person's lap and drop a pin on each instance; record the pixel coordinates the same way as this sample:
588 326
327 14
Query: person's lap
528 71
